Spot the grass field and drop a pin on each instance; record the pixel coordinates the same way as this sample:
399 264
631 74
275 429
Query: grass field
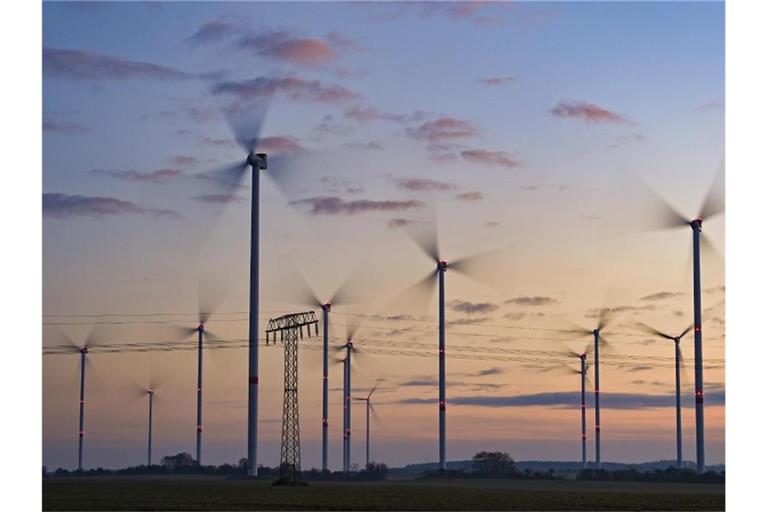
206 493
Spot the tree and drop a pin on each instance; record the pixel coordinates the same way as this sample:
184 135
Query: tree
375 471
178 461
493 464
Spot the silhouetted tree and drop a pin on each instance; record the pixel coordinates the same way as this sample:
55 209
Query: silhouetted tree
493 464
178 461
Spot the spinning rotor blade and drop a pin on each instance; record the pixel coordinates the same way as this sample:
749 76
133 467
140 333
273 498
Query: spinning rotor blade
714 202
424 234
100 335
605 317
650 330
210 294
60 341
486 267
418 295
686 331
664 215
375 415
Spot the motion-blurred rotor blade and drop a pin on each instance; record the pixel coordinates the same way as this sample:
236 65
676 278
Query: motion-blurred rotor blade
296 175
100 335
374 388
353 324
650 330
211 338
295 289
686 331
57 339
245 118
424 234
708 248
714 202
572 328
211 292
375 415
228 178
175 332
154 381
589 349
664 216
491 268
605 317
683 372
419 295
355 288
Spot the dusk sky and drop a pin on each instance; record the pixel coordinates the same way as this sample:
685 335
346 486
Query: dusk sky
539 128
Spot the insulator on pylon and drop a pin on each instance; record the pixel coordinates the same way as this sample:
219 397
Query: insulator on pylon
317 332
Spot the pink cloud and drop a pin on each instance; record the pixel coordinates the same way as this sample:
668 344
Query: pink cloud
490 158
211 31
469 196
442 129
331 205
365 114
156 176
498 80
279 145
64 128
587 112
423 185
63 206
301 51
292 87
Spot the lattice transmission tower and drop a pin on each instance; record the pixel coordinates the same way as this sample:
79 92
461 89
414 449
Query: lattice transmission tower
291 328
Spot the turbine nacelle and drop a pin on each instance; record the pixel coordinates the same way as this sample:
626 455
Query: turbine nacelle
257 161
696 223
326 307
442 266
201 327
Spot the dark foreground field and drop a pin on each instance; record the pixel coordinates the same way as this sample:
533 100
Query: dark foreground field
206 493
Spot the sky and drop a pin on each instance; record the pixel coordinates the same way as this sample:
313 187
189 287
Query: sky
542 132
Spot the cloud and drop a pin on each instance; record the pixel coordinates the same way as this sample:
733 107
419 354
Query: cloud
88 65
471 308
661 296
293 88
184 160
497 80
710 105
64 128
218 198
488 371
279 145
492 224
469 196
418 382
63 206
490 158
469 321
372 145
211 32
283 46
623 401
535 300
156 176
331 205
399 223
442 129
423 185
586 112
367 114
515 316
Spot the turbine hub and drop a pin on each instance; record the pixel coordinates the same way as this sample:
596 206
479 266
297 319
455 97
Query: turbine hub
442 265
327 306
696 223
258 161
201 327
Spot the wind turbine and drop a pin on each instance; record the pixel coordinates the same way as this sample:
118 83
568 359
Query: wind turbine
246 123
149 392
343 295
605 317
66 345
208 302
712 205
678 363
348 348
427 240
368 409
